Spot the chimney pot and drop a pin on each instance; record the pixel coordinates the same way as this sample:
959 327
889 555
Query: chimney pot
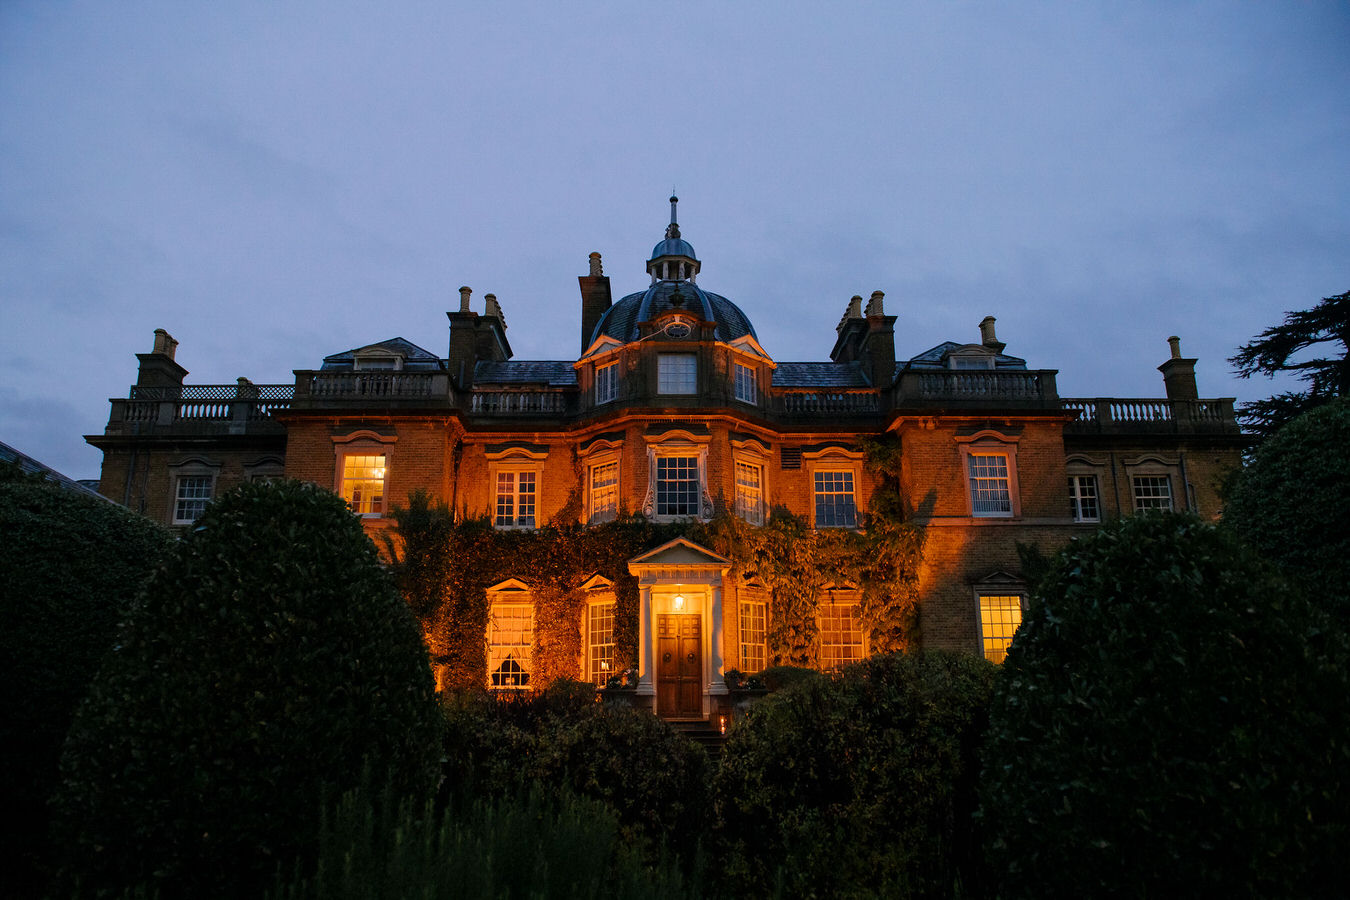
874 305
164 343
1175 343
464 293
987 334
596 267
493 308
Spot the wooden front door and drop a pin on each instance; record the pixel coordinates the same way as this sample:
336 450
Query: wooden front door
679 666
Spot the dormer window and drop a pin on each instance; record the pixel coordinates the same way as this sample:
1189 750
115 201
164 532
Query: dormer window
970 359
378 363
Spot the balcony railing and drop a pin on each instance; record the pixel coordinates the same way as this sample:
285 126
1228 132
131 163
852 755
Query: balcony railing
207 406
1116 415
374 385
520 403
988 386
827 403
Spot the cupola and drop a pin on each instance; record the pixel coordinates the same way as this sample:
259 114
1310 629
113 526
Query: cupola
673 259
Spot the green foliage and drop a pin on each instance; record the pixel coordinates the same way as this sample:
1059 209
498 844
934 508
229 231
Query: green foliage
268 661
70 565
861 784
1170 721
445 568
521 846
776 678
653 778
1273 351
1292 502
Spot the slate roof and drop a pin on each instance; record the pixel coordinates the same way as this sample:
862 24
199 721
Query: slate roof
620 320
414 357
553 372
31 466
932 358
819 375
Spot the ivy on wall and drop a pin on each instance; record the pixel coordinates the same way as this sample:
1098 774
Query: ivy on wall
445 567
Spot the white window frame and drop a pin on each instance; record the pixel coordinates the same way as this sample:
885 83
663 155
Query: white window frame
510 493
677 373
848 605
753 629
671 446
746 384
996 615
1079 497
509 600
600 641
364 443
749 502
833 461
606 382
1138 499
986 444
602 502
514 462
194 473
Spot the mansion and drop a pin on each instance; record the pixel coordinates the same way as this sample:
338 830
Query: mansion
672 409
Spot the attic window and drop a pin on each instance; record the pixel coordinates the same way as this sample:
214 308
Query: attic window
970 361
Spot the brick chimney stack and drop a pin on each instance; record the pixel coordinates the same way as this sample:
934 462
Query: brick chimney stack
595 299
157 368
1179 374
878 347
850 330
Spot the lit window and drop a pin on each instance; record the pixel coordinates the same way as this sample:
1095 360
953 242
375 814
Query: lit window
754 628
600 642
677 486
363 483
841 636
510 641
990 493
750 492
1000 616
676 373
515 500
1083 497
606 383
191 497
1152 492
604 492
746 389
835 507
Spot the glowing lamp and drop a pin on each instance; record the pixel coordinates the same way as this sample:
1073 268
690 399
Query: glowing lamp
678 602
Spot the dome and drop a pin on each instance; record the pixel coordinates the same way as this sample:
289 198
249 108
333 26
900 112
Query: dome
673 247
621 320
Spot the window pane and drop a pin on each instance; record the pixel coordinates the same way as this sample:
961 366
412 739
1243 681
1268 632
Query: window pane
1083 497
750 493
841 638
1152 492
754 627
600 632
1000 617
606 383
510 645
677 487
834 500
194 492
676 373
604 492
989 493
363 483
746 389
515 500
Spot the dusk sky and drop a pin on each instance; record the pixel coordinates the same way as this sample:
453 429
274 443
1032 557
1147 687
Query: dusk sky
276 182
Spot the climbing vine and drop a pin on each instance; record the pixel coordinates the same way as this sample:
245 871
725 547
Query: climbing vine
445 567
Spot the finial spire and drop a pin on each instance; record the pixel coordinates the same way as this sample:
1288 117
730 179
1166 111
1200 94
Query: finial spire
673 232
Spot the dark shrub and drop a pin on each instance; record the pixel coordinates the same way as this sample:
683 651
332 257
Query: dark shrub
70 565
521 846
1292 502
1170 721
654 779
269 661
857 785
775 678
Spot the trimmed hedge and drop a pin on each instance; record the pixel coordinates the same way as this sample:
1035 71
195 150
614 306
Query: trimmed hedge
653 778
856 785
70 565
1171 720
269 662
